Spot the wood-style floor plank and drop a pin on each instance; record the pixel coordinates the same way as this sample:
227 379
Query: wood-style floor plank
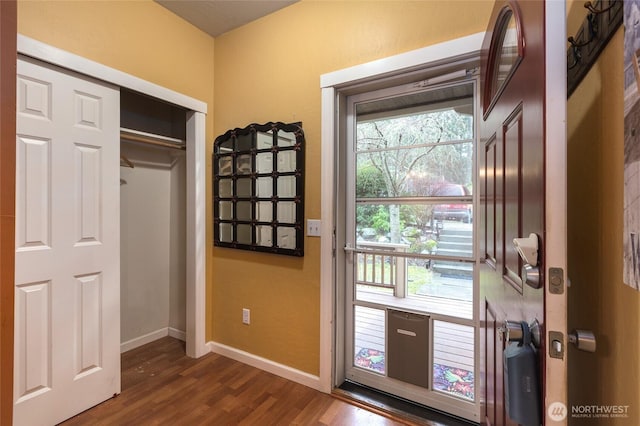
162 386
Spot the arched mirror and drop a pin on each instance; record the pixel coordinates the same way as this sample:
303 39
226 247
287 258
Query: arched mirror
258 188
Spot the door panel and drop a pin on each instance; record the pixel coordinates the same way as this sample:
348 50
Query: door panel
514 185
67 324
512 141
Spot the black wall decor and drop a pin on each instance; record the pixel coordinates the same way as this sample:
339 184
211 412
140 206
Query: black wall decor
599 25
258 188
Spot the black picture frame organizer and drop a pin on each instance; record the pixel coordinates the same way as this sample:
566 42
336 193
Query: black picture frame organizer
258 188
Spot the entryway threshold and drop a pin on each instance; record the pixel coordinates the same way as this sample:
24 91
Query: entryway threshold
395 408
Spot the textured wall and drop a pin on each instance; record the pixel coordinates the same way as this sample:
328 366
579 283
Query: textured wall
270 71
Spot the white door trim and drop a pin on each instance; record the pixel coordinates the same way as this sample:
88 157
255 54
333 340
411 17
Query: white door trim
334 86
196 167
556 196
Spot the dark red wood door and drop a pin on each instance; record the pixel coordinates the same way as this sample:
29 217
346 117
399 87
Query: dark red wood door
513 151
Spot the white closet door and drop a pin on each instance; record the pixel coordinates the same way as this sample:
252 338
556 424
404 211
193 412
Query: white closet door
67 291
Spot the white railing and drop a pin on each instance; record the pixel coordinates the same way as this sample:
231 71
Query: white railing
383 268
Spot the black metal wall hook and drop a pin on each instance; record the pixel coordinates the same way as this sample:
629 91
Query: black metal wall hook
592 26
577 45
593 31
594 34
577 57
593 10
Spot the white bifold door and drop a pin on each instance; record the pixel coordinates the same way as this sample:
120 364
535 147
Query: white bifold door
67 291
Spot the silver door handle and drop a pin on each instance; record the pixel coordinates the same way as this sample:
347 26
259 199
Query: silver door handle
583 339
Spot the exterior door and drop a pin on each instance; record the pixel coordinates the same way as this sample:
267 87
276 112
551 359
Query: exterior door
409 237
67 294
522 192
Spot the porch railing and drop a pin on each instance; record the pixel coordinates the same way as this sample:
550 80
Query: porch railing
383 268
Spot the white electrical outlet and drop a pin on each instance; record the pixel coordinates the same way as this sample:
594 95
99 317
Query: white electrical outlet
246 316
313 227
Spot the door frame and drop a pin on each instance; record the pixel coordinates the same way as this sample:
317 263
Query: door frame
555 310
196 167
420 64
8 60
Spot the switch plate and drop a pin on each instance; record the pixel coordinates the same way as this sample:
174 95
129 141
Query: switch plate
313 227
246 316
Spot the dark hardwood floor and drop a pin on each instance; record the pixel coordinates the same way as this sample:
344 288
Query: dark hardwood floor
162 386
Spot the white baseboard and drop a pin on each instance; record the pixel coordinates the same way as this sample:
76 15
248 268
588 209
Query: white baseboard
150 337
177 334
266 365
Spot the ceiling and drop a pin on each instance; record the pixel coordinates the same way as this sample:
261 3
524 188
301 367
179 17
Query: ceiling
216 17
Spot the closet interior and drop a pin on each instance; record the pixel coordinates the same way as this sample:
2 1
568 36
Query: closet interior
152 220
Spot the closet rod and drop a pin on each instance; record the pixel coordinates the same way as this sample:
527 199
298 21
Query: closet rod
149 138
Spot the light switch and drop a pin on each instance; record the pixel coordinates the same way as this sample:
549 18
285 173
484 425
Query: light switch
313 227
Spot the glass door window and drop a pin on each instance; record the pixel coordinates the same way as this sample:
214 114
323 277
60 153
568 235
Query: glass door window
410 238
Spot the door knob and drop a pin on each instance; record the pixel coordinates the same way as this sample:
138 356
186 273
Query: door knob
583 339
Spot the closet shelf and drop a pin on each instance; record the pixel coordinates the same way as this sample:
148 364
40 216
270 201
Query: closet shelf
131 135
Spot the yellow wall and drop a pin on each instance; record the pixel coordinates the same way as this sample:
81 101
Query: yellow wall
138 37
598 298
270 70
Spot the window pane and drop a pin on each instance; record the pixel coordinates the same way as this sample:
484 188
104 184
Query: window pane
443 229
369 344
453 359
420 172
507 53
414 130
429 285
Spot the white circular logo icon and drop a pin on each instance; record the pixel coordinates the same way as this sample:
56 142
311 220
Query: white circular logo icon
557 411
